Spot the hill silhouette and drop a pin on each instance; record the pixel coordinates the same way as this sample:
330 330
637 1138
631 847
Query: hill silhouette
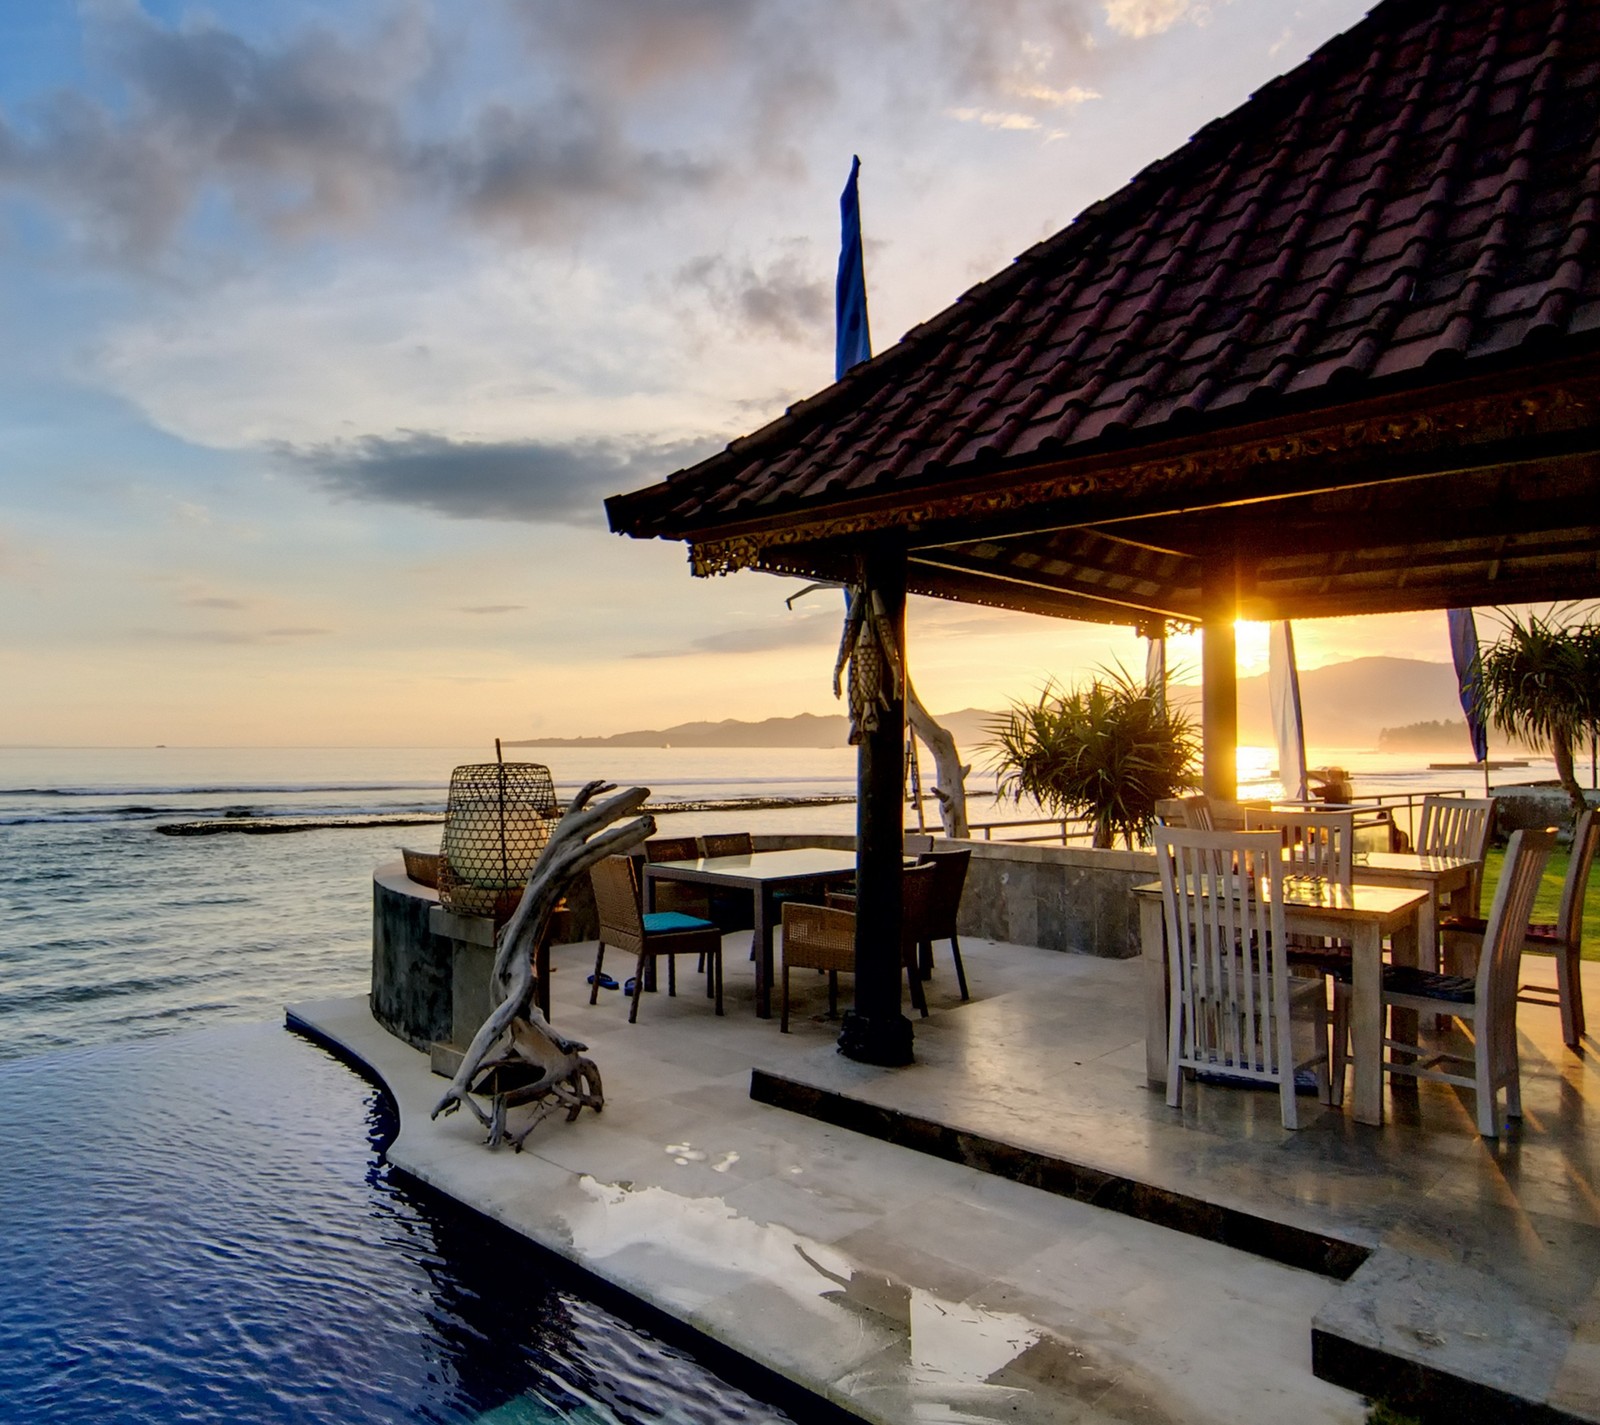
1345 704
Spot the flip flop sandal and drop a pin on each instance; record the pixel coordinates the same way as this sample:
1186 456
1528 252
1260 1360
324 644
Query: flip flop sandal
606 982
628 988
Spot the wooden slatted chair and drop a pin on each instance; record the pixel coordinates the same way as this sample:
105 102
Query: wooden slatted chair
1197 814
1563 939
625 925
1458 826
1234 1005
1486 1001
823 937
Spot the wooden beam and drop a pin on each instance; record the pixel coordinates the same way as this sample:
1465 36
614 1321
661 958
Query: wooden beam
970 588
1127 605
1219 684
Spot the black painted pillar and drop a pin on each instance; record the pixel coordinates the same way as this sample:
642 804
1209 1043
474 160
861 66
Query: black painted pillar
875 1031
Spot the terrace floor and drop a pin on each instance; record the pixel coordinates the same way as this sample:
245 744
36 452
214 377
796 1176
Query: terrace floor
1017 1227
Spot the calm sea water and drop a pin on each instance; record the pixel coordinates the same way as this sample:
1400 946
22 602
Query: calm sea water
111 932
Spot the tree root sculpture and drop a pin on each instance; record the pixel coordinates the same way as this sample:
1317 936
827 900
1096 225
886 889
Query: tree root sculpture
516 1041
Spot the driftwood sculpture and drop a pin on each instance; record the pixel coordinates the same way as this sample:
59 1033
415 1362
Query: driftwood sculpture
516 1041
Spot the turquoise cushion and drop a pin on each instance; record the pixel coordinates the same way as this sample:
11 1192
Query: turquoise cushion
661 922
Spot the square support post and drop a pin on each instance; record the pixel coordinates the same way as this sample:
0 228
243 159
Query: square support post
875 1031
1219 685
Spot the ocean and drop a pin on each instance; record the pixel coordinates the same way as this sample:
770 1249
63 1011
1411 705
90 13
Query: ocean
114 932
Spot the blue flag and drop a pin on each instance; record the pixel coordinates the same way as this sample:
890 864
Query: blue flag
852 340
1464 650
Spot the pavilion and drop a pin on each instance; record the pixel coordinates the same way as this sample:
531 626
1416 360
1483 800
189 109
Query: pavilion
1335 355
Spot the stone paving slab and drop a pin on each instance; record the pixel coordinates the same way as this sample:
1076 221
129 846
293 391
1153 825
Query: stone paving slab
892 1285
1045 1084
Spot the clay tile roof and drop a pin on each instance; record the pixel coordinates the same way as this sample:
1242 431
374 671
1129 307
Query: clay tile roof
1421 193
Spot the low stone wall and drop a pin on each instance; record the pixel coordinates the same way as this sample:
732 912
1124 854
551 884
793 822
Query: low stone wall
1071 898
411 966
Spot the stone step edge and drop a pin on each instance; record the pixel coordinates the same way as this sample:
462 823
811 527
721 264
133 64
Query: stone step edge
1322 1253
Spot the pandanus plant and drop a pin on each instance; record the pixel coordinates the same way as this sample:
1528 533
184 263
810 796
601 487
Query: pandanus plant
1540 685
1107 751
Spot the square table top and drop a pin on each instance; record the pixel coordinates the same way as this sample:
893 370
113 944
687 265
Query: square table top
758 867
1410 863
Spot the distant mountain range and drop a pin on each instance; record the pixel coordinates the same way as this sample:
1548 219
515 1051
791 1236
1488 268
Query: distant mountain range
1345 705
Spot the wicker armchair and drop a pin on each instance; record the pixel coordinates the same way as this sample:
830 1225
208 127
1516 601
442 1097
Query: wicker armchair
823 937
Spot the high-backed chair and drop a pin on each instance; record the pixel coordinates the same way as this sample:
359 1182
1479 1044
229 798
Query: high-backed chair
1487 1001
1563 939
729 843
823 937
1197 815
1234 1006
1317 843
1458 826
625 925
944 905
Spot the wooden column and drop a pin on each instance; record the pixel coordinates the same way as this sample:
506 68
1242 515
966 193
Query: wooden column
875 1031
1219 685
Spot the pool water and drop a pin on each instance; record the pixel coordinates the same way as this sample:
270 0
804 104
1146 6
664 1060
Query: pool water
203 1228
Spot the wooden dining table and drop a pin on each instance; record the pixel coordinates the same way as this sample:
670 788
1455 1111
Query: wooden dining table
1448 880
764 874
1363 916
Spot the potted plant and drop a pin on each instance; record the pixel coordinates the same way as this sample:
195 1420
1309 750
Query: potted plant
1108 751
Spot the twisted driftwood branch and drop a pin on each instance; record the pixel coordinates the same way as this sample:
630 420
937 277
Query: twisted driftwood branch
515 1027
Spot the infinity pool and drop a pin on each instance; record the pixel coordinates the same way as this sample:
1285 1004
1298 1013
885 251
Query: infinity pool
203 1228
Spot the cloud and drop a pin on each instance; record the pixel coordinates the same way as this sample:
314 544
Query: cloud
228 636
216 601
311 134
788 300
790 632
994 118
492 608
1141 18
503 480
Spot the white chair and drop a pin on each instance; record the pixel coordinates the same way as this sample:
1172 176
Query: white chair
1319 843
1458 826
1234 1007
1486 1001
1563 939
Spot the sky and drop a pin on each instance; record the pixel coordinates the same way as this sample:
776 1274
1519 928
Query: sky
329 326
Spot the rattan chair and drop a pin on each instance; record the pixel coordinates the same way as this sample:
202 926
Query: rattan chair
823 937
944 905
1563 939
625 925
729 843
678 895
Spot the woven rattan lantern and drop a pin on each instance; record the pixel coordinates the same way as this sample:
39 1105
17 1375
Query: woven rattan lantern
497 822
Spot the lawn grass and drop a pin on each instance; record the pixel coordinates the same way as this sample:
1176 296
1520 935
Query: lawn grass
1548 901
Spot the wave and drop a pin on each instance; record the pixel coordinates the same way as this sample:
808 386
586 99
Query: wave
252 789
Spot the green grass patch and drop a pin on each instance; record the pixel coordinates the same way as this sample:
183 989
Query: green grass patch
1548 902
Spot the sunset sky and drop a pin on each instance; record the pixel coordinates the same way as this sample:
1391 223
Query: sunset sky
329 326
